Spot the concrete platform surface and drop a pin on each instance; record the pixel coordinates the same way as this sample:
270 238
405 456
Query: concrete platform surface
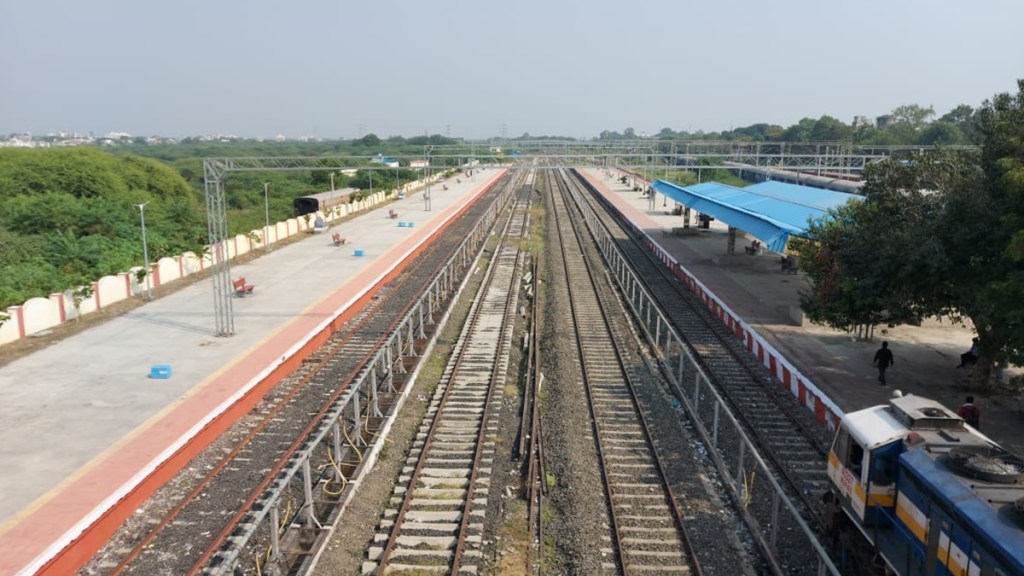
83 420
841 367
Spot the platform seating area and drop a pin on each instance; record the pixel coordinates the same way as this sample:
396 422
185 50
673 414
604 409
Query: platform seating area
242 288
337 239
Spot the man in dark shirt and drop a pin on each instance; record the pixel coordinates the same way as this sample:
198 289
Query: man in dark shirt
883 359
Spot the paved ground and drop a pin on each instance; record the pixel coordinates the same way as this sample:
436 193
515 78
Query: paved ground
68 408
82 419
755 288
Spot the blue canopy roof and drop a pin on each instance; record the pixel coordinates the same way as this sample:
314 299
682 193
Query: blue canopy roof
806 195
769 211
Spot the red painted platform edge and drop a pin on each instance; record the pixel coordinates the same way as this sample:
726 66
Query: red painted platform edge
72 557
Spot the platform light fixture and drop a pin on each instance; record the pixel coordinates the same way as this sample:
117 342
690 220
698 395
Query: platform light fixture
145 248
266 217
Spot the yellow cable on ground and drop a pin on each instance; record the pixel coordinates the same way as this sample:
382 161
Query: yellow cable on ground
351 443
748 488
284 522
344 481
366 427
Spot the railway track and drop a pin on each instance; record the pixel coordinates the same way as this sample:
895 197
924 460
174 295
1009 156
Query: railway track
530 448
211 529
784 432
647 531
436 520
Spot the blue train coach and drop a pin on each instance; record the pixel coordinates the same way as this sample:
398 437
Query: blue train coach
932 494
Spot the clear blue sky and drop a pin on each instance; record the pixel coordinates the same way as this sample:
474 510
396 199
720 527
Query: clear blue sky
332 68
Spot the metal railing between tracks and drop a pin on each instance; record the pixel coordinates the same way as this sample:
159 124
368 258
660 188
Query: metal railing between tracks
677 360
290 524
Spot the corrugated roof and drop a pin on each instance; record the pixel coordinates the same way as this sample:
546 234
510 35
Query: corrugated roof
807 195
769 211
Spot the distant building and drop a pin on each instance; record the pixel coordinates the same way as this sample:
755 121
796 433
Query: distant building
385 160
859 121
419 163
883 121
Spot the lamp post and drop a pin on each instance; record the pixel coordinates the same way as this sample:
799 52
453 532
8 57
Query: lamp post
266 217
331 211
145 248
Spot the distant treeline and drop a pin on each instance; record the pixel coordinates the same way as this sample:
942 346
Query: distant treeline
69 215
905 125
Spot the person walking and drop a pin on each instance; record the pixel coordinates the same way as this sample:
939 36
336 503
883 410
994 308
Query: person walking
970 413
883 359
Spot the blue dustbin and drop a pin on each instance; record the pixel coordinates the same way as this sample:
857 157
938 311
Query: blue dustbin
161 371
358 253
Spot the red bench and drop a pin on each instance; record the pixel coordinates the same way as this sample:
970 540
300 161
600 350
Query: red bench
392 214
241 288
338 240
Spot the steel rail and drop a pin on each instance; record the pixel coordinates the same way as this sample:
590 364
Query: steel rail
622 553
266 419
477 313
667 338
368 377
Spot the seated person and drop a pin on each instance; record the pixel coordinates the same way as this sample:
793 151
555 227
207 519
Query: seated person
971 356
753 248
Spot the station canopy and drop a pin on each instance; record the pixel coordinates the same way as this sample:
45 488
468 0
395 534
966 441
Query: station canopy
769 211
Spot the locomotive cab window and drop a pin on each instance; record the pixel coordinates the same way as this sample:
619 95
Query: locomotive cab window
884 464
850 454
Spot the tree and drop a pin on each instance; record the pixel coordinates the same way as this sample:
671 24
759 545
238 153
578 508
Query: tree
828 128
941 234
68 215
965 119
998 308
959 115
942 133
914 115
799 132
859 262
369 141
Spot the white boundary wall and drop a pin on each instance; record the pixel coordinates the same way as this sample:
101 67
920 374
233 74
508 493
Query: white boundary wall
42 313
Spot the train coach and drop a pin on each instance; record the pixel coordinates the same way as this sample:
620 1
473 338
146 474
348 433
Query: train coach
933 495
760 174
322 201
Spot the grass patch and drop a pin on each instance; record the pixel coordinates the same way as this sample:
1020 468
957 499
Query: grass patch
515 541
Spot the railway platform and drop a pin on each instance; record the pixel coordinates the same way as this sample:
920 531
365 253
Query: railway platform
754 288
95 423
